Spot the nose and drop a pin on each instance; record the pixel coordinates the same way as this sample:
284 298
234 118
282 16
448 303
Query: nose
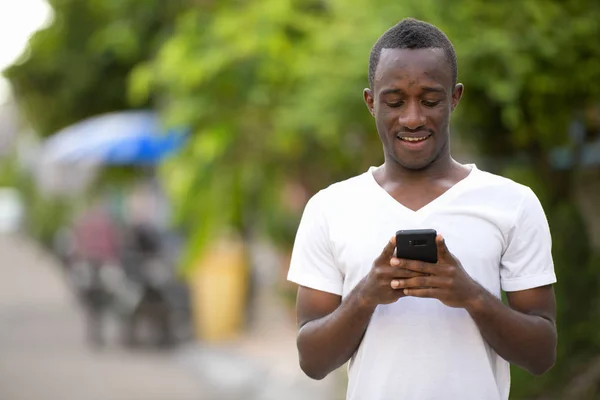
412 117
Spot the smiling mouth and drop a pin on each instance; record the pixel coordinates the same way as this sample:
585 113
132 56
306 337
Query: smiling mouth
413 138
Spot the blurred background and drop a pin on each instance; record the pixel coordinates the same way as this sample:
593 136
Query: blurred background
156 156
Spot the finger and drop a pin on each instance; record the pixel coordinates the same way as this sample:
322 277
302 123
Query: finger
424 292
421 267
420 282
442 250
402 273
387 273
388 252
397 262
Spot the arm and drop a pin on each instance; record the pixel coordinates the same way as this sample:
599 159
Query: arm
330 330
522 333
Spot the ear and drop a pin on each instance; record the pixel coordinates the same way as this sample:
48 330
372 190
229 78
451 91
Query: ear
369 100
457 94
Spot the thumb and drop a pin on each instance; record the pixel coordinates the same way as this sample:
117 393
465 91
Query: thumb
442 250
388 251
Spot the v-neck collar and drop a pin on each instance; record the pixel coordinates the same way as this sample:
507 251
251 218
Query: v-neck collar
441 199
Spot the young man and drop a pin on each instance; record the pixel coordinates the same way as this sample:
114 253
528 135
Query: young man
414 330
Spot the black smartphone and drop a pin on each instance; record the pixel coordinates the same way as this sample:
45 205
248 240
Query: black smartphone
417 244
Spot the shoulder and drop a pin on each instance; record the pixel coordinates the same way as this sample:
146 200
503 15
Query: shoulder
500 182
504 187
334 203
507 194
342 192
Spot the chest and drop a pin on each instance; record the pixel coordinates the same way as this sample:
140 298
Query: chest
415 198
474 238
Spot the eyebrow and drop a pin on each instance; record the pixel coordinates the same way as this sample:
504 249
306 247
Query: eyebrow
427 89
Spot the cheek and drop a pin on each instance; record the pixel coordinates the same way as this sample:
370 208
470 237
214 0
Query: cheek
386 117
439 119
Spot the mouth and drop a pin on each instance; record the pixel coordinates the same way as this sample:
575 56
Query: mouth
413 139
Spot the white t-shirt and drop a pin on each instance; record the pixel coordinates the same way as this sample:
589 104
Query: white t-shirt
420 349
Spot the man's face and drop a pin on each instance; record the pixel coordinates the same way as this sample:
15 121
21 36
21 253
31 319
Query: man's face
412 98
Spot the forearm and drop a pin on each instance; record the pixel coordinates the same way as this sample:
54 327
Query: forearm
327 343
528 341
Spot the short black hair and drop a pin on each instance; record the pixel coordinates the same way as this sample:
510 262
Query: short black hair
411 33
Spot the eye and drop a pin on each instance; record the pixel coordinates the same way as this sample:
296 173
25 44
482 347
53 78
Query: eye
430 103
395 105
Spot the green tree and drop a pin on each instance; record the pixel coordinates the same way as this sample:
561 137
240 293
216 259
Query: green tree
79 65
275 91
272 89
235 75
527 82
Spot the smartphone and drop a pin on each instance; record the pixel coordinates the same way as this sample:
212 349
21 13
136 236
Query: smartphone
417 244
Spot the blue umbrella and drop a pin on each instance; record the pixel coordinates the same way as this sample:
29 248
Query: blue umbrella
120 138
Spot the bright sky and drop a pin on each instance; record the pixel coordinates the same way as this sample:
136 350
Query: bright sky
19 19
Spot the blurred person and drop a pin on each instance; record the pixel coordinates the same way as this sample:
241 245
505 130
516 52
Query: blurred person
147 263
146 205
410 329
147 266
63 245
96 247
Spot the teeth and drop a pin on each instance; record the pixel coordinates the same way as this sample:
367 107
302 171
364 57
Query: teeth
411 139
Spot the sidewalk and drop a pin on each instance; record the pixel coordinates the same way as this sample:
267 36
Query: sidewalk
263 363
43 354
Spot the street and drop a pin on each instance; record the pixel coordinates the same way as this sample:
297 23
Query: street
43 354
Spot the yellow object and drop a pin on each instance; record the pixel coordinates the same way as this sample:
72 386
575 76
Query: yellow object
219 288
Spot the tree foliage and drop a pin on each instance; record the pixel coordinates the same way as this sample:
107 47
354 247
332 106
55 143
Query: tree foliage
273 91
79 66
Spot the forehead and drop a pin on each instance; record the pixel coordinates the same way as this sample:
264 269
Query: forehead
424 65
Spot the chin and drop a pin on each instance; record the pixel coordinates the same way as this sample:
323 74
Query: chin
414 164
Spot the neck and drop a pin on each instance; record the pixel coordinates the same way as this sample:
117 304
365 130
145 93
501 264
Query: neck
444 167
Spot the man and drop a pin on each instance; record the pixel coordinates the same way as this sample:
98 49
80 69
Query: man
96 248
414 330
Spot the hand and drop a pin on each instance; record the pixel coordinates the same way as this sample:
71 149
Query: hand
376 288
446 281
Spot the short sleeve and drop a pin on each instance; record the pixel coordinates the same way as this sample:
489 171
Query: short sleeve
527 261
312 263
